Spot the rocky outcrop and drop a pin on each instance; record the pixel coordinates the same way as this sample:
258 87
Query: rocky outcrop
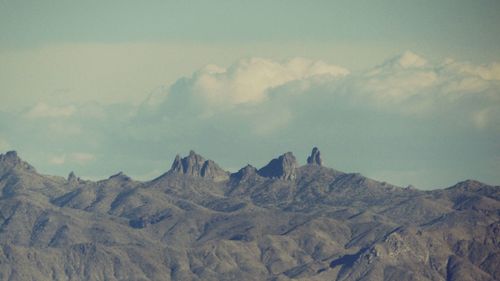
72 178
10 160
283 167
245 173
120 177
324 225
211 170
190 165
196 166
315 157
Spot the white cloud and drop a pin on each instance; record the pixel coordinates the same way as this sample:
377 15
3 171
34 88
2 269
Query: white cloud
403 62
410 85
487 72
44 110
264 95
396 87
409 59
249 81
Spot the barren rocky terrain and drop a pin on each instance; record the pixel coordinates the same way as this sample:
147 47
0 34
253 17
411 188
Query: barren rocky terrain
280 222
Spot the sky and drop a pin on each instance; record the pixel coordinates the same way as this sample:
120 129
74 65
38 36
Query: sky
406 92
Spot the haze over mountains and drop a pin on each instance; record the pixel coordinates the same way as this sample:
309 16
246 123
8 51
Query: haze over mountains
282 221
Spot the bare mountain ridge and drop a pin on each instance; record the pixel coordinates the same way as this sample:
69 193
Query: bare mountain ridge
280 222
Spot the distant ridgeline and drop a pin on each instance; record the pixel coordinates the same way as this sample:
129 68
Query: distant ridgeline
280 222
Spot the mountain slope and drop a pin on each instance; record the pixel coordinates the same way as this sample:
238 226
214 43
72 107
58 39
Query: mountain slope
280 222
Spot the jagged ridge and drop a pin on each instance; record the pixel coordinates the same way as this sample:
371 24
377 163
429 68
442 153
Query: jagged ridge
280 222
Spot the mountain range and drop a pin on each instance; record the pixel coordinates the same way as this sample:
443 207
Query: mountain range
283 221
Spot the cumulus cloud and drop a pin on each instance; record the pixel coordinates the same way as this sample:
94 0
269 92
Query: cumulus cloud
406 60
44 110
266 94
410 85
487 72
250 81
262 97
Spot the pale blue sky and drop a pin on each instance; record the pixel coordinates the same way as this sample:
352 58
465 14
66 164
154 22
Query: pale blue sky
465 28
87 85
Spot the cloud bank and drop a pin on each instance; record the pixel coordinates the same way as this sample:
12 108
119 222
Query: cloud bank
407 84
438 121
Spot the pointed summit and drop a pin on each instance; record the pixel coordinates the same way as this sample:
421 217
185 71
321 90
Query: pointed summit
195 165
189 165
315 158
11 154
72 178
283 167
177 164
244 173
211 170
10 160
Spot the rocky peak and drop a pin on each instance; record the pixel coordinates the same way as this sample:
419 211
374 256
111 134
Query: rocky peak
315 157
120 176
210 169
189 165
11 155
195 165
72 178
245 173
177 164
283 167
10 160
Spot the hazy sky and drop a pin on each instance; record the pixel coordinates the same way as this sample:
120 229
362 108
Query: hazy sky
406 92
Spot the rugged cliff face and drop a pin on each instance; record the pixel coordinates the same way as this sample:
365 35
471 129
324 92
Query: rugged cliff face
280 222
284 167
195 165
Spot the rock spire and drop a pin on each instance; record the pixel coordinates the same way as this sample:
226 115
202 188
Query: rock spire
195 165
315 157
